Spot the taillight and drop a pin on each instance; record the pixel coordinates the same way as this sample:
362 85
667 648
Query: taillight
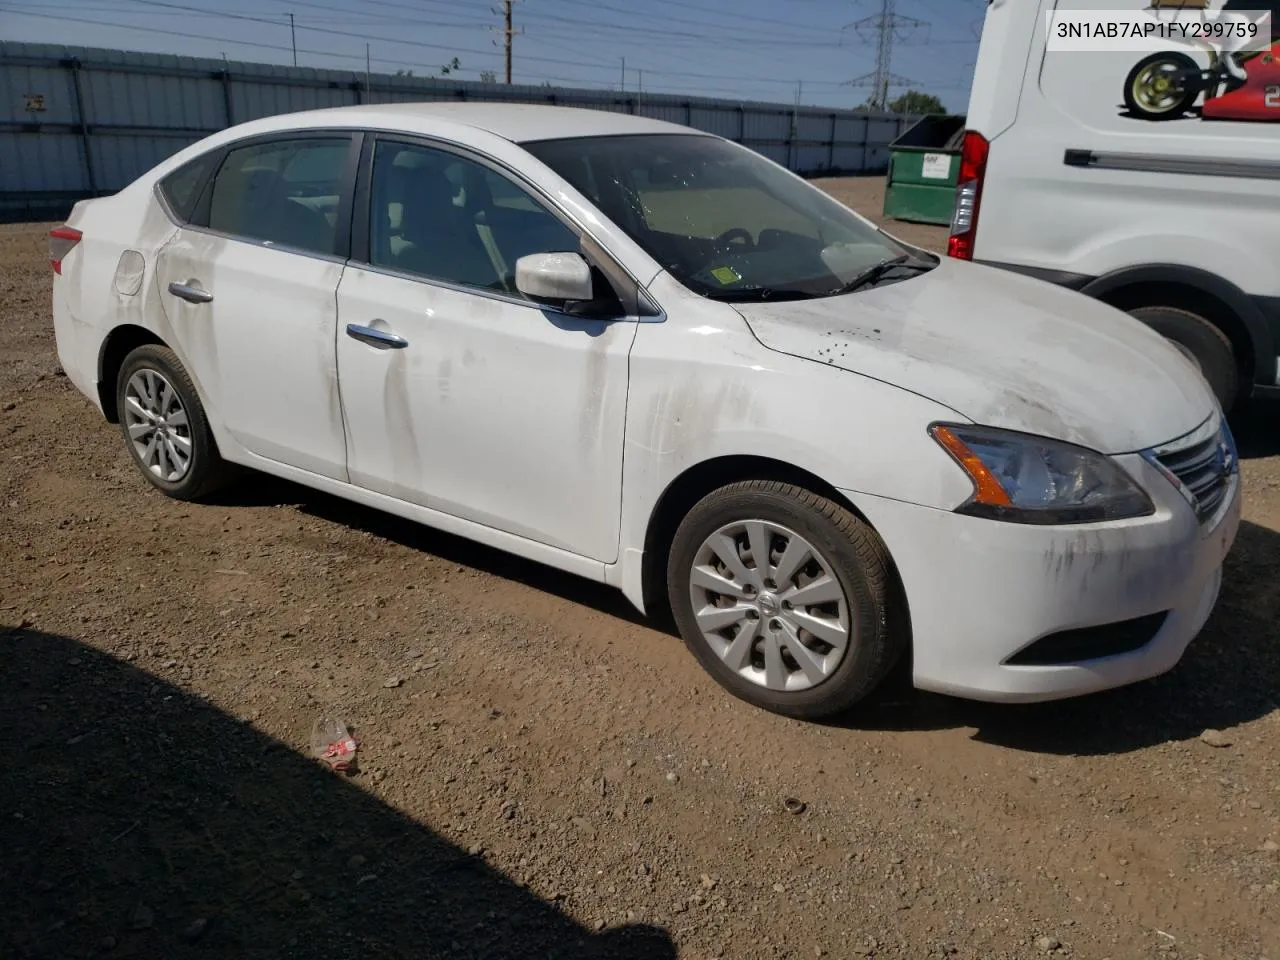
973 169
61 242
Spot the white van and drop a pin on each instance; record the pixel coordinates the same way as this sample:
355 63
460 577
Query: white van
1145 173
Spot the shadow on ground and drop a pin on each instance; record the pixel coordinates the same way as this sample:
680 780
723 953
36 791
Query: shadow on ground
1257 429
260 490
134 811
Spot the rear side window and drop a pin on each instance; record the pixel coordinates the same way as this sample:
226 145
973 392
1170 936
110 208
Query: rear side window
284 193
181 189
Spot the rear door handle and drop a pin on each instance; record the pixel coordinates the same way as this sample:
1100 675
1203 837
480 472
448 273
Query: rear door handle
190 294
376 338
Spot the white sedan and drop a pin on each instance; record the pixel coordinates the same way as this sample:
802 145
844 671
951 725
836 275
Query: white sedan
651 357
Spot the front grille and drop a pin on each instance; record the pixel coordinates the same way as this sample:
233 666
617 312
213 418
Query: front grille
1090 643
1201 467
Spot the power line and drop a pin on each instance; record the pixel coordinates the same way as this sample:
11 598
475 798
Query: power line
701 24
200 36
714 36
731 14
582 63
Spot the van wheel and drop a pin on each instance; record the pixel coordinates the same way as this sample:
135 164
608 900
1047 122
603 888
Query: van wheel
1202 343
1152 90
786 598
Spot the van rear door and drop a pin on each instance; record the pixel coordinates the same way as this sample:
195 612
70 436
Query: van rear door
1003 57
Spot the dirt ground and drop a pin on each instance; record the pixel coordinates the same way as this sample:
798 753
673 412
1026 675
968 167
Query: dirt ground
542 774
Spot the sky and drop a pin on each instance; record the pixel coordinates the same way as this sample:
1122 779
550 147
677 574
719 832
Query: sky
773 50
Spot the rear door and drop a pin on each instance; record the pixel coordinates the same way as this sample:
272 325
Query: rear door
1011 37
249 288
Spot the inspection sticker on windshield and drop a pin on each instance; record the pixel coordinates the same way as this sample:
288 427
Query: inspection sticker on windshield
936 166
726 275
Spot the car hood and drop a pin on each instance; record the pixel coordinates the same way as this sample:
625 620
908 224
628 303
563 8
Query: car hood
1003 350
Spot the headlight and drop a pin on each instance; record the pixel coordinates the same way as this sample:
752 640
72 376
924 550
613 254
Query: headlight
1027 479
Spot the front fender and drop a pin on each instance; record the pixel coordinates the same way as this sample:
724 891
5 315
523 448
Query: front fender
703 391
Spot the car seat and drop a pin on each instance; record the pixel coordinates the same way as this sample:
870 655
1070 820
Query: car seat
441 241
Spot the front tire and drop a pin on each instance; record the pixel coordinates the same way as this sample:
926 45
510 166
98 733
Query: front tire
807 633
164 425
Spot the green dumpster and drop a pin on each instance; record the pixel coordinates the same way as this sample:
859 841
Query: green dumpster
924 164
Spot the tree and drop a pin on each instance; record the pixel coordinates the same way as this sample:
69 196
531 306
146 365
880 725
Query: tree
404 73
449 67
913 101
488 76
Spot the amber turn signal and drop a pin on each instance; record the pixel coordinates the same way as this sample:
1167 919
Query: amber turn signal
987 488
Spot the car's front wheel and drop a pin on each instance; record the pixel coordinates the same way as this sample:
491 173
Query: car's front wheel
786 598
164 424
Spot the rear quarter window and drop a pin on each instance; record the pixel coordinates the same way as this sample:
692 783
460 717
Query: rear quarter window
181 189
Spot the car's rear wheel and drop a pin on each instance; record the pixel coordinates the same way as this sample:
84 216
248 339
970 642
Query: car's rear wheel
1207 347
164 424
786 598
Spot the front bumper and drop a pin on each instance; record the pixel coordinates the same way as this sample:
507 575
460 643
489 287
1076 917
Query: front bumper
980 591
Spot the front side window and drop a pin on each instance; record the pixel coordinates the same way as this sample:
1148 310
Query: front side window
438 215
283 193
724 221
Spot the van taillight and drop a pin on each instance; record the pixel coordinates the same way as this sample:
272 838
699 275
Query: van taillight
964 221
61 242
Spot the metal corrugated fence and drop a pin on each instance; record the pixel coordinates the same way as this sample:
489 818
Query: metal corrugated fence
78 122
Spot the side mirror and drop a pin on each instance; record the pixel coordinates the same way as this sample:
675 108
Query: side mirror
555 278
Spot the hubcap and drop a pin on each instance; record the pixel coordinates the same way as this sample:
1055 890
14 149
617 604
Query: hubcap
1154 88
768 604
158 425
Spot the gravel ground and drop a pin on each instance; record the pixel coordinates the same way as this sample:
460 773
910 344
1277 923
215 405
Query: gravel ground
542 774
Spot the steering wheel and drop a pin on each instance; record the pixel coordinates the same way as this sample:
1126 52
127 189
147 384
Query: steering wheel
729 236
770 237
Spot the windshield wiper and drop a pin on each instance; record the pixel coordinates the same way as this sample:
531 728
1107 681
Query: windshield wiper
875 272
759 295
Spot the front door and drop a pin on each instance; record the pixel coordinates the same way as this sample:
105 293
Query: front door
249 288
460 394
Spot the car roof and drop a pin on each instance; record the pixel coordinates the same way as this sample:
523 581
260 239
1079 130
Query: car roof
517 122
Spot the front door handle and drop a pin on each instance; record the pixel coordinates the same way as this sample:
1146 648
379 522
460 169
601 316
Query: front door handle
191 294
376 338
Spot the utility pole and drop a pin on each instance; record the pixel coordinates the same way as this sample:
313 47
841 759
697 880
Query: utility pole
886 25
507 31
624 74
507 35
368 70
293 38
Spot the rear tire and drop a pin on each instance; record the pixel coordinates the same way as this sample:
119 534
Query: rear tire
751 638
164 425
1202 343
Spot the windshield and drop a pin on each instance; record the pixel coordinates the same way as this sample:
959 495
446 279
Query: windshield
723 220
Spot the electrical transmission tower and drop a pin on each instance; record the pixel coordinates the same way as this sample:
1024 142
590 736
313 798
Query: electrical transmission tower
885 25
